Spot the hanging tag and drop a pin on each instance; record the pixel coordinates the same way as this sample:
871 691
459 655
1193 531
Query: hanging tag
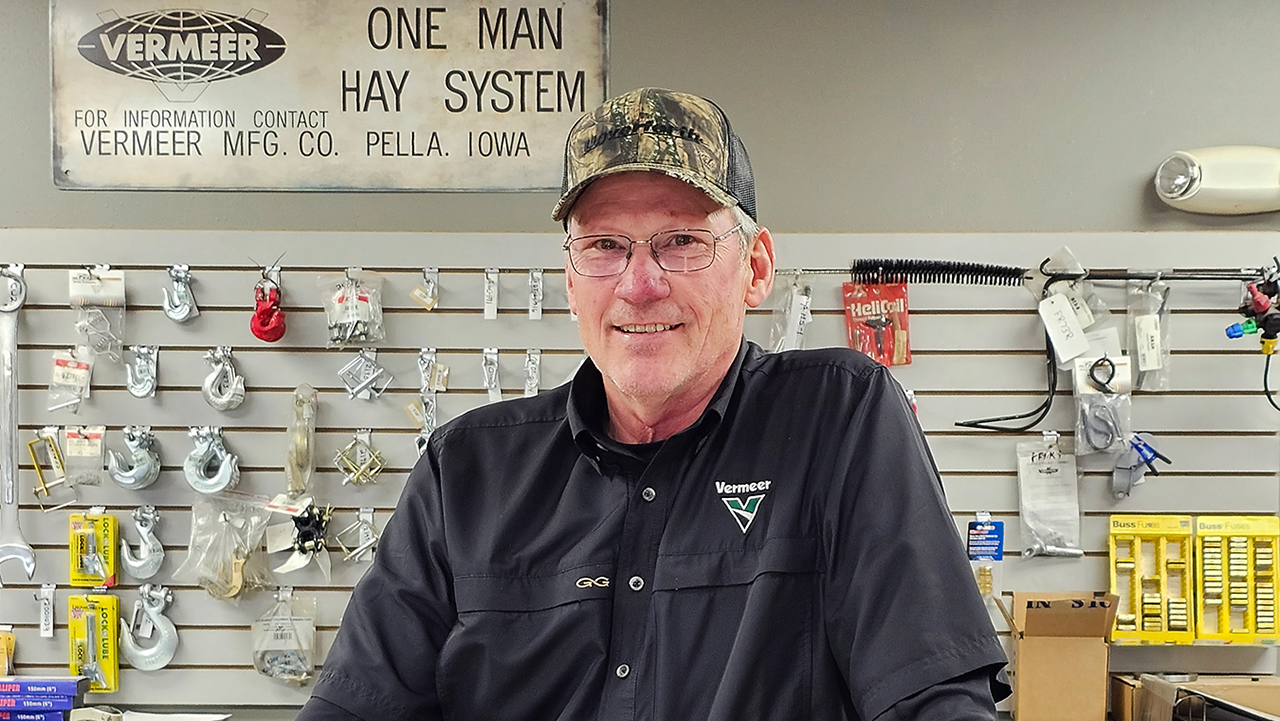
68 371
1073 294
490 365
427 295
279 537
83 441
1063 327
490 293
99 286
367 535
140 623
532 371
985 541
45 597
415 411
362 449
535 294
1149 351
435 375
799 316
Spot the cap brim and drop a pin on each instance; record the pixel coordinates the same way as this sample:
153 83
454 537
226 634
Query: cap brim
713 191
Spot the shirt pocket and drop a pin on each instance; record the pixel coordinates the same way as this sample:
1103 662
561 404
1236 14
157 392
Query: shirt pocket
735 632
526 647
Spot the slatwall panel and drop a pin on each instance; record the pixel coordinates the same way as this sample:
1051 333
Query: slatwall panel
977 352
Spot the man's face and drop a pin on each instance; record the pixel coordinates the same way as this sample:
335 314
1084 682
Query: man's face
657 335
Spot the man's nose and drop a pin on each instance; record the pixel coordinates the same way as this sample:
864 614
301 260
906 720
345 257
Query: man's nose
643 279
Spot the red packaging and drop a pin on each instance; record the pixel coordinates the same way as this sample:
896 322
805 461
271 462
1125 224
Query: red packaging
876 317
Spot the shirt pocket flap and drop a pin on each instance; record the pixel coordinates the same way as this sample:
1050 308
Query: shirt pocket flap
736 566
532 593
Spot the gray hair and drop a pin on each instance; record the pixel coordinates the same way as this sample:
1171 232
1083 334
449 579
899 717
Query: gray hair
750 229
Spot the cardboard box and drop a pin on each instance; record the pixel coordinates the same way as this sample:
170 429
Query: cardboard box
1227 698
1124 697
1060 655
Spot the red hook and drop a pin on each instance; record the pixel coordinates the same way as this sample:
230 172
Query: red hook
267 322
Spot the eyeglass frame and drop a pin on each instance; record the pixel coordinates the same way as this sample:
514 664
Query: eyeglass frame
631 245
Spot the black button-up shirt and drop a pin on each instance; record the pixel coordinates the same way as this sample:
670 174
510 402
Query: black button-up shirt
789 556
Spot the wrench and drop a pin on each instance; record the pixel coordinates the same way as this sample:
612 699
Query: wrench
13 293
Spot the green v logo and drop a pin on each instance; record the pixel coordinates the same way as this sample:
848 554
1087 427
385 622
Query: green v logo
744 513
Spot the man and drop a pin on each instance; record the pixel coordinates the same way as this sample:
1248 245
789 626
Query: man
691 528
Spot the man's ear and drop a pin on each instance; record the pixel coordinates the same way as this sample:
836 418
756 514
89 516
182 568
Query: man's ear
569 275
760 260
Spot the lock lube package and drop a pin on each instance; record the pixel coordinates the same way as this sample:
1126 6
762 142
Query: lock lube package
93 624
94 539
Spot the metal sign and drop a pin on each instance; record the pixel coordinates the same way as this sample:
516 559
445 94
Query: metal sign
320 95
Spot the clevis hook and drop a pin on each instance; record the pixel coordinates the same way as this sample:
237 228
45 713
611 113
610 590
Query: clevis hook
157 656
223 388
180 306
268 322
210 468
150 552
140 372
145 468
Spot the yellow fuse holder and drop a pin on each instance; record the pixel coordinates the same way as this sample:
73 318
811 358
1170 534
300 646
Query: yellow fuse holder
1236 579
93 624
1151 575
94 542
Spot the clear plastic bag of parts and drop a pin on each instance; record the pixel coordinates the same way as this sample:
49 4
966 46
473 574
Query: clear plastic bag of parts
1148 334
1048 499
97 295
284 639
69 378
84 454
791 300
300 461
1103 423
224 556
353 307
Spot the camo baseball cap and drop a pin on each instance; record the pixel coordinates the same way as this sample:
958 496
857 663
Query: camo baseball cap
656 130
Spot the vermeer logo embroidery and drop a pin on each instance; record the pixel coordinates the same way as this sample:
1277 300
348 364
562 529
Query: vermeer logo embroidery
743 509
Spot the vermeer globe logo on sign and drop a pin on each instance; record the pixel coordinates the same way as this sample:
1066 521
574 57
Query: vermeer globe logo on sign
182 51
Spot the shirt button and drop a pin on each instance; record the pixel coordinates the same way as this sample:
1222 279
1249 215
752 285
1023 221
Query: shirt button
636 583
648 494
623 670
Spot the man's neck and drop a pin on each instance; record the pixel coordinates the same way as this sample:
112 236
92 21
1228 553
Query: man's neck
646 420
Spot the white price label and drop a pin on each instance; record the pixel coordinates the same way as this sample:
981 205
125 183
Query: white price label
1063 327
1149 349
490 293
84 442
68 371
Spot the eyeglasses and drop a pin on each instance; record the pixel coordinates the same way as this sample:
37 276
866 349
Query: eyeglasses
682 250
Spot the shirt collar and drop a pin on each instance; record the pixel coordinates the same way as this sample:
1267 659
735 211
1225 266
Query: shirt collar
586 411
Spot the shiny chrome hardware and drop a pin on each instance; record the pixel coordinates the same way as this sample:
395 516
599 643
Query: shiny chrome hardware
180 306
143 468
140 371
210 468
150 551
13 547
223 388
154 600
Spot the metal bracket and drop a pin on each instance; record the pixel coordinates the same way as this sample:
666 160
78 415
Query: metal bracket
46 444
363 377
359 462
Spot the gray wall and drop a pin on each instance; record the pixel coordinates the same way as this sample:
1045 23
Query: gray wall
868 116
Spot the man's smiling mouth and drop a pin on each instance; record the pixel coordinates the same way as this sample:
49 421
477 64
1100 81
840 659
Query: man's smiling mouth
649 328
